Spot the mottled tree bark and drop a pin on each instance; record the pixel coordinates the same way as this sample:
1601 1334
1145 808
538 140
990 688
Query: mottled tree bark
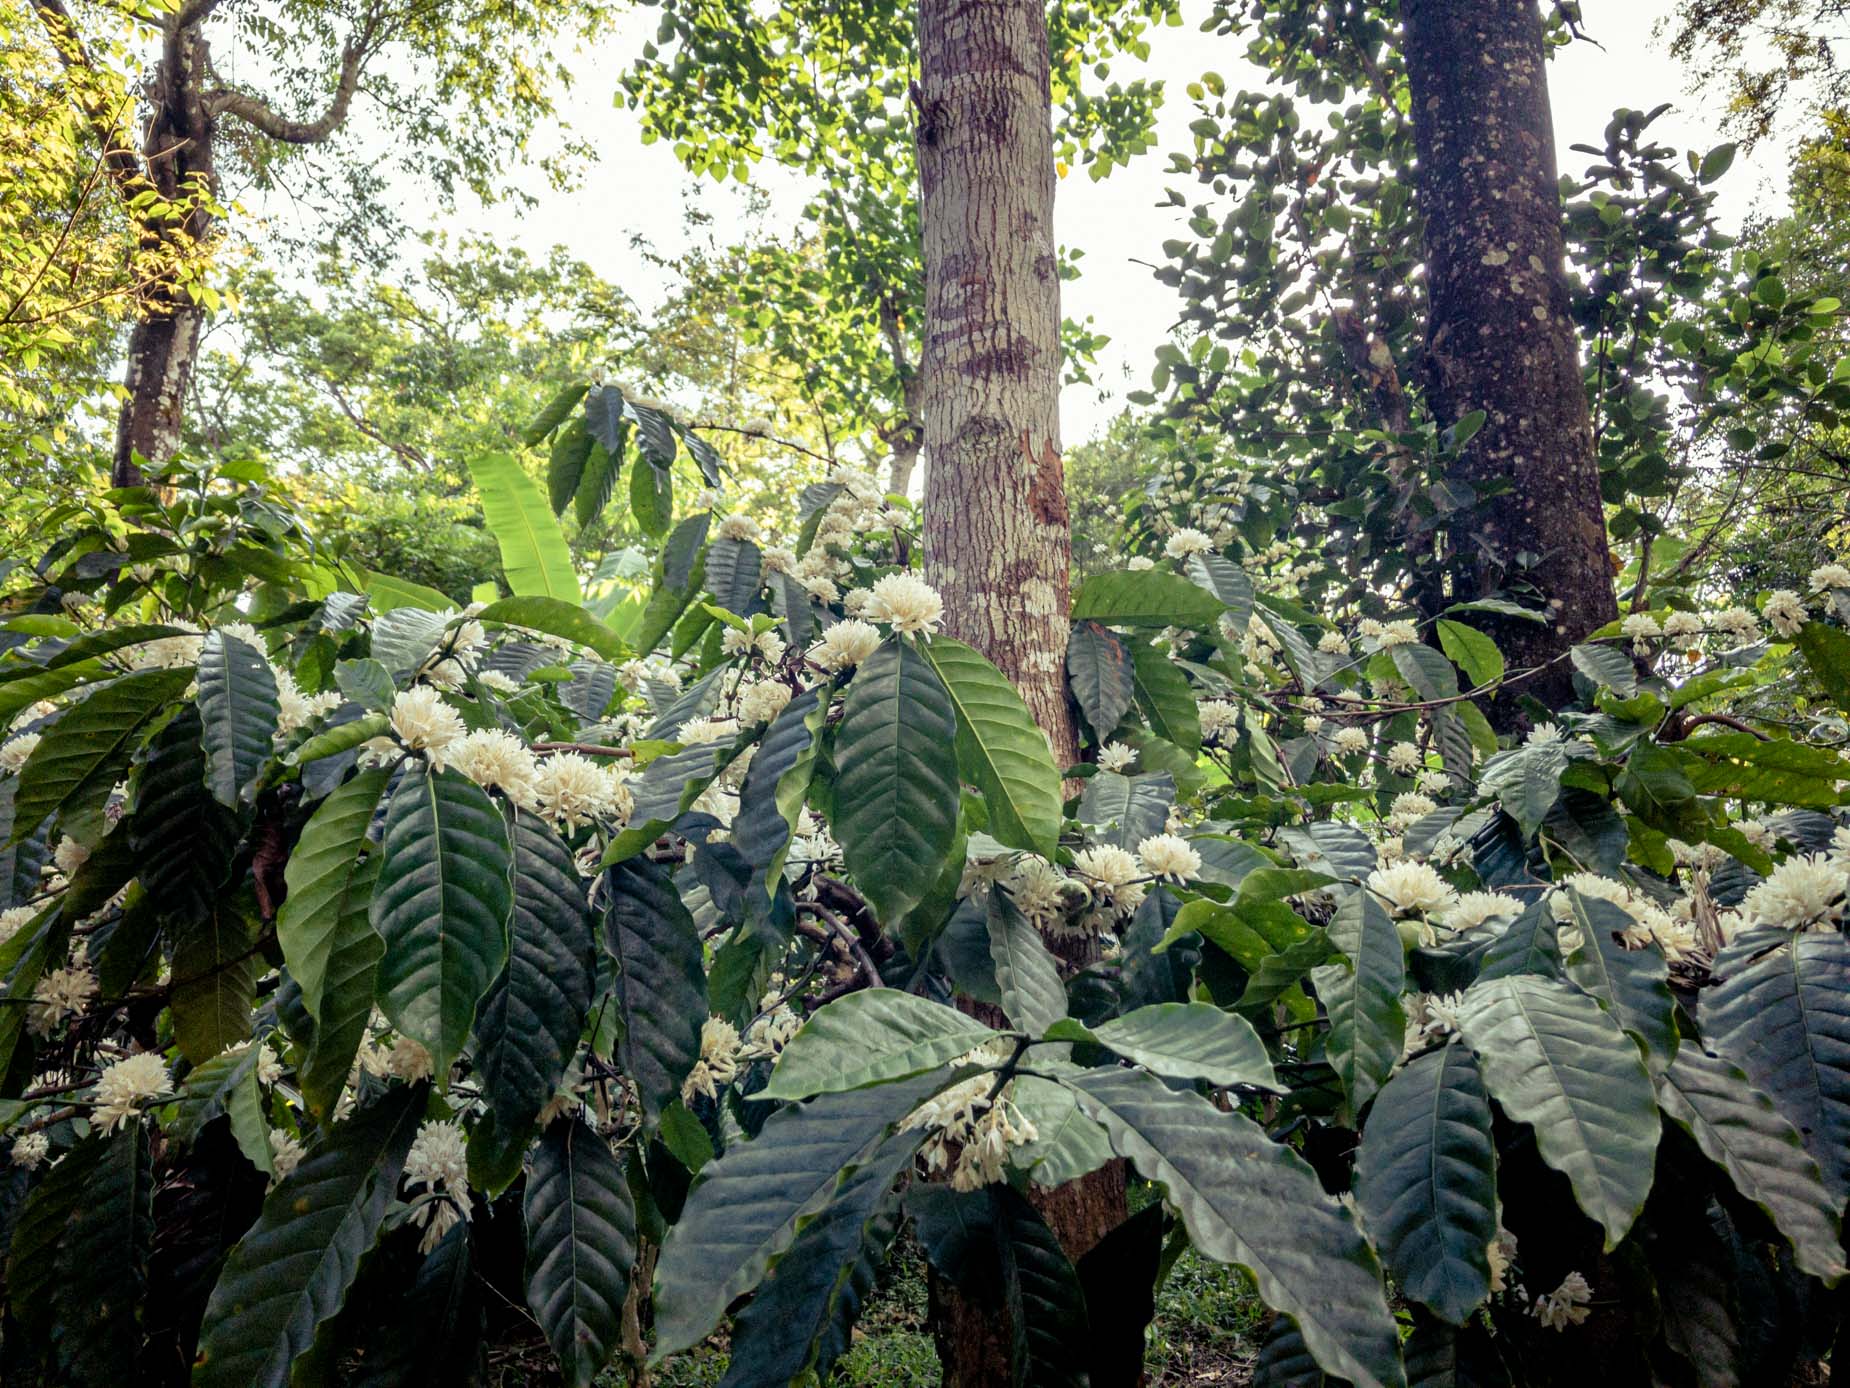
1499 338
997 539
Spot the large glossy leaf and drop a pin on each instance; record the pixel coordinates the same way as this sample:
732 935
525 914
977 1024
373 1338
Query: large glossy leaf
1227 581
1033 998
1047 1320
565 464
184 839
776 782
238 710
21 859
1362 995
406 637
1558 1062
581 1245
1001 750
1527 781
557 618
745 1210
1098 668
534 556
215 968
293 1270
1785 1019
441 906
661 986
1738 1128
734 571
82 756
1633 984
802 1317
435 1339
1165 697
896 791
870 1037
1426 1177
1251 1201
1150 598
1607 666
328 886
553 414
224 1084
597 484
1067 1144
1190 1041
1126 810
531 1019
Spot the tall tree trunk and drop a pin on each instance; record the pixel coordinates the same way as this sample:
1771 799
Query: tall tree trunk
997 540
1499 338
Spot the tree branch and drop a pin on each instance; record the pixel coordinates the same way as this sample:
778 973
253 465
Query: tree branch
253 111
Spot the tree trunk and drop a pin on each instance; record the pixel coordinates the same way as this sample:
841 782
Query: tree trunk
997 540
1499 338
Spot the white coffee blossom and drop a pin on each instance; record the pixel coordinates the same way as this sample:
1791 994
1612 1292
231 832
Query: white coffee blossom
1350 740
1566 1305
718 1063
1473 909
498 683
1642 627
1140 562
1218 716
1313 724
1185 542
14 753
979 1128
1409 808
1412 889
738 527
124 1086
13 920
701 730
497 760
69 856
425 723
1036 886
1115 756
906 601
1399 633
770 1032
1168 855
573 790
1738 622
1785 611
297 710
438 1165
1680 626
1828 576
762 701
1333 643
29 1149
1803 893
846 644
286 1153
1403 758
58 994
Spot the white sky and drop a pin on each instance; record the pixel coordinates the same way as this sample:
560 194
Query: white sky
640 188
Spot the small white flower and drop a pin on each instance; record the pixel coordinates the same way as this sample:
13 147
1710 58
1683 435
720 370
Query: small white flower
1333 643
762 701
498 683
1403 758
1828 576
906 601
1350 740
1473 909
1313 724
14 753
425 723
13 920
719 1060
126 1085
1642 627
1412 889
59 993
1566 1305
1185 542
497 760
1785 611
1217 717
69 856
737 527
845 644
573 790
1802 893
29 1149
1399 633
1168 855
438 1162
286 1153
1036 887
1115 756
1139 562
1409 808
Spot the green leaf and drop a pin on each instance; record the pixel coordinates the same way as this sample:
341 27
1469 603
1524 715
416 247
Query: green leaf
1067 1144
1362 996
1126 810
597 483
1098 667
81 757
530 1021
1472 651
534 555
776 782
1426 672
324 916
1607 666
1738 1128
1047 1317
657 433
661 986
213 1089
870 1037
896 792
1227 581
368 683
1825 648
1147 598
1742 766
555 618
1165 698
734 574
1716 163
1190 1041
441 905
1632 984
802 1317
744 1212
1526 781
652 499
389 594
554 414
565 465
1033 998
1554 1060
214 982
581 1245
1426 1178
1001 750
1250 1201
343 737
184 840
1785 1019
293 1269
406 637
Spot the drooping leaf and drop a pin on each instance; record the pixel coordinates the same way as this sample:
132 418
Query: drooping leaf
776 782
1150 598
1033 998
565 465
530 1021
1188 1041
1426 1177
661 987
734 573
1001 750
1227 581
896 792
581 1246
1607 666
744 1212
1098 668
441 906
1527 781
534 555
1046 1304
1250 1201
215 967
293 1269
184 840
328 890
1362 996
870 1037
1554 1060
597 484
1632 983
1738 1128
238 711
557 618
1472 651
553 414
1067 1144
406 637
1165 698
652 498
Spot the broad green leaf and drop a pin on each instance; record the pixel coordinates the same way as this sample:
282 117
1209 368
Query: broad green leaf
1190 1041
652 498
1742 766
1554 1060
406 637
294 1267
1149 598
1165 698
441 906
215 966
1426 1177
661 986
1126 810
1738 1128
184 840
745 1210
734 573
802 1318
238 710
324 914
1362 995
1472 651
597 484
214 1089
870 1037
80 758
581 1245
1632 984
556 618
553 414
1033 998
896 791
1827 650
1047 1321
1527 782
343 737
1253 1202
776 782
30 684
1610 667
1001 750
565 464
529 1024
388 594
1067 1144
533 552
1227 581
1427 673
368 683
1098 668
1785 1019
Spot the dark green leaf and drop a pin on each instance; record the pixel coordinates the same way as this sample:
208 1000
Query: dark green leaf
870 1037
734 574
1150 598
1098 667
1362 996
1001 750
1632 984
1033 998
581 1245
1126 810
1165 698
1190 1041
661 987
1608 666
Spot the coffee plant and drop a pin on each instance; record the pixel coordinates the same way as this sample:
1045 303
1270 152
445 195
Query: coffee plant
384 980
